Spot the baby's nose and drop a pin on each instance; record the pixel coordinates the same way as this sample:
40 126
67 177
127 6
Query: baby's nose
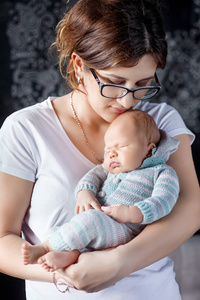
113 153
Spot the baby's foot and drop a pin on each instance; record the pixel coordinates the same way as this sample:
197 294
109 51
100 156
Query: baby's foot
30 253
55 260
45 264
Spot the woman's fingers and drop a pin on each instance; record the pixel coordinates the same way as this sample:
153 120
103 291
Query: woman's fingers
93 271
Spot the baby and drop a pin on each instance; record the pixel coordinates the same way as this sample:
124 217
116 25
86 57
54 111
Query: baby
133 187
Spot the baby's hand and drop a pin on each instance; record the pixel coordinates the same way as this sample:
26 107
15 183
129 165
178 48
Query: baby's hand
85 201
123 213
119 212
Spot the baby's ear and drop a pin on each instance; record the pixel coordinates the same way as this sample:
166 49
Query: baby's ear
151 146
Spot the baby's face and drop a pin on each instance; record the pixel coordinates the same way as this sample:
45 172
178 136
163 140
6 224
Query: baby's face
125 149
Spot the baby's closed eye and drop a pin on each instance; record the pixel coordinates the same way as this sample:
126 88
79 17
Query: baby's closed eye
121 146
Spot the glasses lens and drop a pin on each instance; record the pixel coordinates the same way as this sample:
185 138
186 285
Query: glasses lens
113 91
145 93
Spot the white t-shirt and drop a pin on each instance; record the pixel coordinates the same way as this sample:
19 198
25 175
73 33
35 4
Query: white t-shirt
35 147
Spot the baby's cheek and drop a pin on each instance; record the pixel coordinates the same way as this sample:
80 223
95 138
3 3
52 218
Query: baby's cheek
106 164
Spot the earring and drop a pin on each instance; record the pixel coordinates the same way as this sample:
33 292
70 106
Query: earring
78 80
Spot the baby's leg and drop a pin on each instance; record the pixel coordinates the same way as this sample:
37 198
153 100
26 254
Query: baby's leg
55 260
31 253
90 229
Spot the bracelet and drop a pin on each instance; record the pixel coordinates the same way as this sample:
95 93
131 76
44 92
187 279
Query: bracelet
55 283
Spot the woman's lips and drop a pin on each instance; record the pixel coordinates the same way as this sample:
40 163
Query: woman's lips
118 110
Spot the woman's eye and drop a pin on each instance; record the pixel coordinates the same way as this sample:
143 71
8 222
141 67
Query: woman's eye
115 82
119 83
144 83
109 81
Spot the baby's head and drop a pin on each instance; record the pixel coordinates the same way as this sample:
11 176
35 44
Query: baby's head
129 140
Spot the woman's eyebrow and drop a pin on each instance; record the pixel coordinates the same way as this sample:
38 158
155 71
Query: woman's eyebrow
107 76
117 77
146 79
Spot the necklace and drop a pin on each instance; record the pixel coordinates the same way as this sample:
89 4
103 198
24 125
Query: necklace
82 131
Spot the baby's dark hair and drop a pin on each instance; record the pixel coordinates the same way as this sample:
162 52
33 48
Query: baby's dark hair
110 33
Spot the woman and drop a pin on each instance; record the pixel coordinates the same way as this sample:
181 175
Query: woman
45 150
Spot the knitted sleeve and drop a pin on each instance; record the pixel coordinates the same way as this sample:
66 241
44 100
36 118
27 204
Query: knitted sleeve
164 196
92 180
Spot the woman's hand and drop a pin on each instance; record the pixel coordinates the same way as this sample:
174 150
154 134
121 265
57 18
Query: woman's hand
94 271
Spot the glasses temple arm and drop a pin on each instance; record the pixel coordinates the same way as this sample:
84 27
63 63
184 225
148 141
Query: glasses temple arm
157 80
95 76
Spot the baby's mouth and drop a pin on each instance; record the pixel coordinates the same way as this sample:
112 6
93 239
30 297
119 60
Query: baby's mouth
114 164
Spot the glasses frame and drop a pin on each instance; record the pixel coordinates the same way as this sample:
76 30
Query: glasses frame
101 86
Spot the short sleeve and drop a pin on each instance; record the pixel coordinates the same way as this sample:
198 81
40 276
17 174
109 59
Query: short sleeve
16 153
171 121
167 118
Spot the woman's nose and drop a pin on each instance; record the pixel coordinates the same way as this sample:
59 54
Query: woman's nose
127 101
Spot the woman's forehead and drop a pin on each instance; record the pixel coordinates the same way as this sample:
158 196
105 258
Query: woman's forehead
145 68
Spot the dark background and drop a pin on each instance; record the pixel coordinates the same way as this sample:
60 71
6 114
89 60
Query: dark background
29 73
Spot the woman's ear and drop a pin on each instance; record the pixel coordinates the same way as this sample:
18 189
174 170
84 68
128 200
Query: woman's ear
78 64
151 146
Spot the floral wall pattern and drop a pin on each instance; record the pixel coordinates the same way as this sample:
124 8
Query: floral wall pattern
31 30
30 33
181 77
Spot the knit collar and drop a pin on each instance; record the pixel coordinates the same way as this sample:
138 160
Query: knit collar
147 163
151 162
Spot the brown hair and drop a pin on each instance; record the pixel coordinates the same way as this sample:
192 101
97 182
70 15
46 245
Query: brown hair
110 33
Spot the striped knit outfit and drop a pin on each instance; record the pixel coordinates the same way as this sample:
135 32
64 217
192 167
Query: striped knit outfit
153 188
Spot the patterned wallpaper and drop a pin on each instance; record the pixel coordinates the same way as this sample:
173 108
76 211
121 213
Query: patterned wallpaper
181 77
30 29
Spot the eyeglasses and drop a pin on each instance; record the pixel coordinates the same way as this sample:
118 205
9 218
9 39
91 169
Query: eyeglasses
117 91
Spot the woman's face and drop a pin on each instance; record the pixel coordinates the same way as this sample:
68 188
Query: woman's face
133 77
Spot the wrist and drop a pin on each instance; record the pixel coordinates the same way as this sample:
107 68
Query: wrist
56 283
136 215
123 267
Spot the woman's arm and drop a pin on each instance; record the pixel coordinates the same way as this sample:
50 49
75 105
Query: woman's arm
14 200
101 269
